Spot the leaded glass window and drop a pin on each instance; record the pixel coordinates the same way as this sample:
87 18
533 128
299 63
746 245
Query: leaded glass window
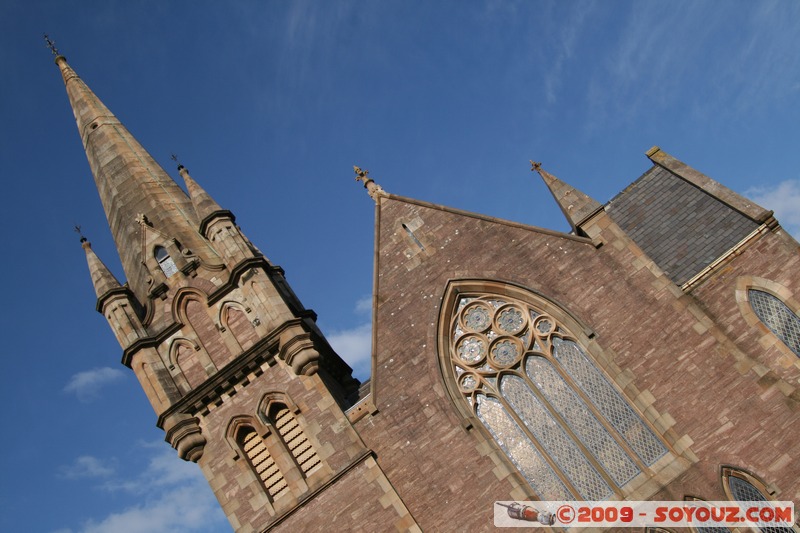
743 490
167 264
560 421
780 320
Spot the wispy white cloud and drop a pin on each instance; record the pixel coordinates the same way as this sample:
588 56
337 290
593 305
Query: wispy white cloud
86 385
172 497
355 347
666 55
190 508
566 40
364 305
784 199
87 466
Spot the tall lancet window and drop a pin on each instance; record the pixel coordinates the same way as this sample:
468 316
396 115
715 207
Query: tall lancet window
557 417
166 263
780 320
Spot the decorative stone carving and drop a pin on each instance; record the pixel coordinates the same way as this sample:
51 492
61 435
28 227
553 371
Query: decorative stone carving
298 350
184 434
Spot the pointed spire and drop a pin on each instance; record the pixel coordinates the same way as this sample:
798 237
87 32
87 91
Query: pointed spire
130 182
575 205
204 205
102 278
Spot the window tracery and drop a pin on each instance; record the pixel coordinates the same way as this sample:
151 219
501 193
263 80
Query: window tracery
558 419
777 316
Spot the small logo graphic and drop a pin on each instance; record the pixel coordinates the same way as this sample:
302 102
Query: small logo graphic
526 513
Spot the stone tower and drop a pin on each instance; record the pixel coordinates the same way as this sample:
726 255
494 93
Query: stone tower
242 381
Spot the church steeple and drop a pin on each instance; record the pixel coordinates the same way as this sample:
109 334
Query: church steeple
576 205
131 183
221 345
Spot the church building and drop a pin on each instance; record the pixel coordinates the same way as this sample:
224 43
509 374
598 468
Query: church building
652 353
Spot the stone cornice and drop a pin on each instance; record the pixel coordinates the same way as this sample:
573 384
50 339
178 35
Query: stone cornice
149 342
117 291
208 219
250 361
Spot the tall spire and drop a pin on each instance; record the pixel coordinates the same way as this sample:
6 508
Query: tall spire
575 205
102 278
130 183
204 205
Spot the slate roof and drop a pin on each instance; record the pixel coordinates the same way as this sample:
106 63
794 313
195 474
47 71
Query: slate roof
680 226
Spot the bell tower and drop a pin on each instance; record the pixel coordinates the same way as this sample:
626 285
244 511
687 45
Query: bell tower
241 379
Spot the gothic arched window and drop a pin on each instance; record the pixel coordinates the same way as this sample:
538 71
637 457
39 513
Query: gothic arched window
166 262
294 438
743 487
262 463
777 316
555 415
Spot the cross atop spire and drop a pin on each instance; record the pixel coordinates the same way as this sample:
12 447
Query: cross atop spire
175 158
51 45
77 229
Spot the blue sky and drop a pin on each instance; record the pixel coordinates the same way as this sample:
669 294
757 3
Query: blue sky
270 104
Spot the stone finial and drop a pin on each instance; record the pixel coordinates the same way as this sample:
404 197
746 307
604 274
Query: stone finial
373 189
536 166
142 220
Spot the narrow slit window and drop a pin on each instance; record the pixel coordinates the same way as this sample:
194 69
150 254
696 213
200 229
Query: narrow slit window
166 262
413 237
777 316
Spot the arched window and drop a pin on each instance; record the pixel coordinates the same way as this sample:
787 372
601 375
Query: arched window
234 318
743 487
780 320
262 463
166 263
556 416
293 436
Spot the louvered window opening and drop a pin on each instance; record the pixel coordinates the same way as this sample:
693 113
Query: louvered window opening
744 491
264 465
780 320
555 415
295 439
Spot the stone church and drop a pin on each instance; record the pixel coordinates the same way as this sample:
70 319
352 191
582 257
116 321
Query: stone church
651 353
